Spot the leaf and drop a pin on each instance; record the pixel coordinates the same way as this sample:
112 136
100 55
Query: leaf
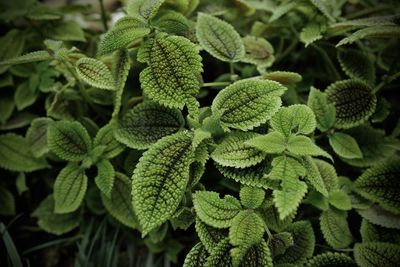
251 197
119 203
105 177
271 218
196 257
357 65
12 44
25 96
173 22
345 146
335 228
311 33
95 73
144 9
234 152
215 211
219 38
332 259
15 154
328 174
313 175
280 242
146 123
36 136
220 255
7 200
55 223
273 142
160 179
284 167
304 146
40 55
105 137
339 200
374 233
373 31
68 140
69 188
125 31
172 76
247 229
246 104
7 106
366 22
325 112
67 31
297 119
288 199
376 254
258 51
209 236
353 100
325 7
120 69
381 184
286 78
281 10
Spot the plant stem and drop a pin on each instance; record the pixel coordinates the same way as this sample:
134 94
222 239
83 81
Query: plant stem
215 84
103 15
231 71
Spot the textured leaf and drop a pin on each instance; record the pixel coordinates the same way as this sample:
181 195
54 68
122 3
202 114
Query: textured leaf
374 31
105 177
376 215
272 220
7 200
105 137
297 119
381 184
40 55
120 69
279 242
146 123
311 33
325 7
220 256
246 104
325 112
366 22
288 199
172 76
209 236
196 257
286 78
144 9
172 22
119 204
304 146
374 233
13 43
70 188
258 51
215 211
314 176
328 174
234 152
284 167
339 199
15 154
331 259
345 146
95 73
281 10
335 228
55 223
356 65
377 254
37 136
219 38
273 142
353 100
68 140
24 96
125 31
251 197
247 229
160 179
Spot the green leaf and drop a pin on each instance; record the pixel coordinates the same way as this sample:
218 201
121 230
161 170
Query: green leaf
37 136
325 7
328 174
311 33
125 31
160 179
67 31
7 106
172 76
146 123
332 259
105 177
7 207
246 104
374 233
284 167
376 215
15 154
273 142
357 65
271 218
55 223
286 78
220 255
95 73
105 137
353 100
258 51
120 69
280 242
288 199
25 96
144 9
281 10
374 31
215 211
70 188
297 119
365 22
251 197
196 257
209 236
12 44
304 146
314 176
40 55
381 184
345 146
317 200
247 229
68 140
339 200
219 38
119 203
376 254
325 112
172 22
335 228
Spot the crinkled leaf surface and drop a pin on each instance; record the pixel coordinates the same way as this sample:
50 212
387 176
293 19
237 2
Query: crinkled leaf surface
251 197
36 136
144 9
335 228
373 254
273 142
345 146
325 112
196 257
105 137
105 177
332 259
357 65
95 73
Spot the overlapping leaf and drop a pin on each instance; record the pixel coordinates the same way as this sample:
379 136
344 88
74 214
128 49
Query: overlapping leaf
297 119
95 73
373 254
335 228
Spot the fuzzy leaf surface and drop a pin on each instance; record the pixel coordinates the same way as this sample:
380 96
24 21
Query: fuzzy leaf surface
373 254
95 73
325 112
335 228
345 146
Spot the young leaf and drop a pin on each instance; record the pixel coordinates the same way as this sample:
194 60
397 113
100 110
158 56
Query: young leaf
353 100
105 137
357 65
246 104
311 33
284 167
279 242
105 177
37 136
345 146
219 38
251 197
172 76
196 257
160 179
25 96
325 7
144 9
328 174
40 55
95 73
209 236
173 22
314 176
374 31
273 142
339 200
15 154
68 140
286 78
304 146
119 203
271 218
373 254
381 184
146 123
70 188
247 229
335 228
288 199
258 51
215 211
325 112
332 259
298 119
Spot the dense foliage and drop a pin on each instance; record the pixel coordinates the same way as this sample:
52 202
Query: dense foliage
200 133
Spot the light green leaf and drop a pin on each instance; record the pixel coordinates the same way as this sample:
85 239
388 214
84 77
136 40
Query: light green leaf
247 229
105 177
281 10
120 69
37 136
335 228
376 215
172 22
258 51
326 8
95 73
251 197
374 254
288 199
304 146
357 65
15 154
325 112
273 142
196 257
213 210
219 38
144 9
298 119
271 218
328 174
68 140
246 104
374 31
70 188
209 236
345 146
41 55
105 137
234 152
284 167
332 259
314 176
172 76
286 78
160 179
311 33
146 123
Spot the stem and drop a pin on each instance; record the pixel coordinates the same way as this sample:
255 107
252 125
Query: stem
215 84
103 15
